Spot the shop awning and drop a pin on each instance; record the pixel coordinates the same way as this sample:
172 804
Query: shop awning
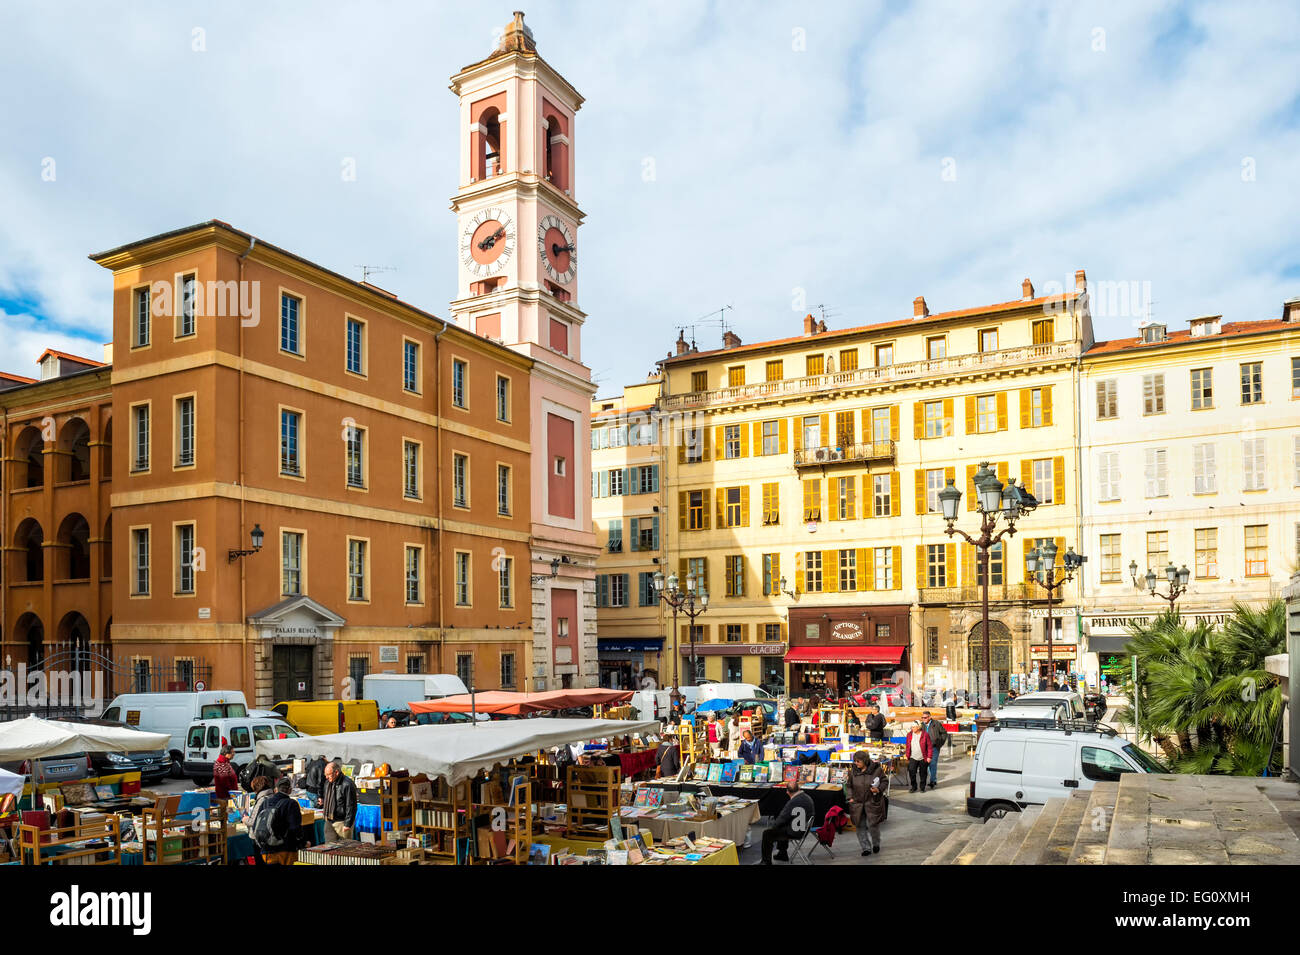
849 655
505 703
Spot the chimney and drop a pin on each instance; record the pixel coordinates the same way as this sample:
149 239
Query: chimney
821 327
919 308
1080 281
730 339
1027 289
809 325
1291 310
682 345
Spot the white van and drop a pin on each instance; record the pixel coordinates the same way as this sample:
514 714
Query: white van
1021 763
204 736
172 713
1070 703
733 691
395 691
656 704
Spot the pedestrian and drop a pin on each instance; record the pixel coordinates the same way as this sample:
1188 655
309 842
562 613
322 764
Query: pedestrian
733 737
751 749
791 716
668 758
874 724
391 724
938 737
919 749
340 803
793 821
313 777
260 789
225 778
278 831
866 789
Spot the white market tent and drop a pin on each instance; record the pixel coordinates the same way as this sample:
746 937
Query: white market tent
11 784
456 751
35 738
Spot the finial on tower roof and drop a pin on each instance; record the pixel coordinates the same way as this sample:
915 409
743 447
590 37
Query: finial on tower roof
517 37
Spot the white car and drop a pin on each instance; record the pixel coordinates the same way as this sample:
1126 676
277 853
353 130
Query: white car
1026 765
172 713
204 739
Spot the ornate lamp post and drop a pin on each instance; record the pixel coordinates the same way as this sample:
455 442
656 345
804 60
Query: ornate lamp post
1041 564
994 500
1177 577
692 601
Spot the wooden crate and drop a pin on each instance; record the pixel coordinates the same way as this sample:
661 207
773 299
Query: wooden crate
170 839
70 845
591 799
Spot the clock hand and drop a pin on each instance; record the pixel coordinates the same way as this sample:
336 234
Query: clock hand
492 239
556 248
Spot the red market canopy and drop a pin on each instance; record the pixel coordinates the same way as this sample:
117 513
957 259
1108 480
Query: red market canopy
505 703
849 655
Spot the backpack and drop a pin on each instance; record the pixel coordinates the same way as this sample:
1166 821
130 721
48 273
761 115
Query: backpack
258 767
272 829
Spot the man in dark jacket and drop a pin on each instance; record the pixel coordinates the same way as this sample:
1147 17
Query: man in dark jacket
938 737
874 724
313 780
867 787
751 750
793 821
791 717
339 803
668 759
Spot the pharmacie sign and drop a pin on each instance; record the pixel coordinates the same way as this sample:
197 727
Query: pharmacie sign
1122 624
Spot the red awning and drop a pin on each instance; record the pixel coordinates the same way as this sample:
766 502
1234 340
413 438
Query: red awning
845 655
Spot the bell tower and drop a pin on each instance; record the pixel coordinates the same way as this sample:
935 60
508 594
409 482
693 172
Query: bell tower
517 223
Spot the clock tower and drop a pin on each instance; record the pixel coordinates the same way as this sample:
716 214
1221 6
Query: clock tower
517 225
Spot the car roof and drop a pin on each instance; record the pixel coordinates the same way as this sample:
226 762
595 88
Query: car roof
1047 695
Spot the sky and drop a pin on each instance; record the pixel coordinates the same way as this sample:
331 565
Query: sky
749 160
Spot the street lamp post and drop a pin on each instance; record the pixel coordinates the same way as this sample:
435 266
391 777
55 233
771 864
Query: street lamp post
692 602
993 500
1041 564
1177 577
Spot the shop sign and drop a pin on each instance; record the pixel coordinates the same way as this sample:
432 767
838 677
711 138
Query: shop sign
766 649
1120 624
1113 664
1060 651
289 631
846 630
1059 613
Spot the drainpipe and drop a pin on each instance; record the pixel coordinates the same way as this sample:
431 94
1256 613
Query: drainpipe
5 485
243 574
1078 488
437 490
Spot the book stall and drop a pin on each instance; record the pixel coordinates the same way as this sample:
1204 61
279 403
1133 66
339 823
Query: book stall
668 815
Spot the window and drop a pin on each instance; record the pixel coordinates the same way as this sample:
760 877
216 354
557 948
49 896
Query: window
413 562
771 574
507 670
699 381
997 567
561 465
646 590
848 359
505 583
882 426
465 668
812 500
1257 550
461 587
184 558
1111 572
933 485
1103 765
988 339
1044 331
845 506
1157 551
844 429
771 437
695 511
1207 552
1254 464
1252 383
815 365
848 570
812 431
698 568
884 355
1034 413
812 571
734 511
771 503
411 470
932 646
1107 399
290 563
648 479
355 341
1153 394
986 413
503 490
735 571
735 376
936 565
411 366
140 562
459 392
775 370
614 481
185 325
356 569
883 559
355 451
289 309
1295 377
1157 472
731 441
1204 477
140 339
882 498
1202 388
1108 476
936 348
290 424
503 398
614 536
460 480
934 419
771 633
693 439
140 437
184 432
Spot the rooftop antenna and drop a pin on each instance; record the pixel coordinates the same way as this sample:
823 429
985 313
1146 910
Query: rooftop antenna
369 270
708 320
828 311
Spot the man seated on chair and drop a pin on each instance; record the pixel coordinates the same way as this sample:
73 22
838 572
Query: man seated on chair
794 821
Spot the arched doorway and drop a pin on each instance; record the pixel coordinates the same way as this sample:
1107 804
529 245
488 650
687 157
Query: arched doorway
29 458
29 561
74 451
999 656
74 549
30 632
74 640
106 453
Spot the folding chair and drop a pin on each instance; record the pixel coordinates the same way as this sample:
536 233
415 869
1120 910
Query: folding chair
798 847
824 835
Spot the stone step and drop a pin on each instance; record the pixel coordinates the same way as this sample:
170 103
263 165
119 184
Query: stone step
1024 822
1004 828
983 832
947 850
1128 842
1031 850
1060 844
1094 831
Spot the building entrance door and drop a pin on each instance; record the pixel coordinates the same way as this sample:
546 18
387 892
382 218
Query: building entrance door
291 673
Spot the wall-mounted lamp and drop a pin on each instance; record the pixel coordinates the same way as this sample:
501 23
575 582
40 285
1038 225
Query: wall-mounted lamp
257 536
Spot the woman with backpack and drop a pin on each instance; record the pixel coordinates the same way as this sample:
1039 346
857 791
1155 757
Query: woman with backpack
261 789
278 827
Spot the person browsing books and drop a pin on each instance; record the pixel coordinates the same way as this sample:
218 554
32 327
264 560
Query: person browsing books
793 822
919 750
339 803
874 724
751 750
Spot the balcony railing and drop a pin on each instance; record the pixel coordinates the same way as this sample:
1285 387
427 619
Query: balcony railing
844 454
866 377
975 594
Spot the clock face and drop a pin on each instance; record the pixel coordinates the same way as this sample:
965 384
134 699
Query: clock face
558 250
487 242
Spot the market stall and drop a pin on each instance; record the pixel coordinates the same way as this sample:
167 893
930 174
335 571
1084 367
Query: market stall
506 703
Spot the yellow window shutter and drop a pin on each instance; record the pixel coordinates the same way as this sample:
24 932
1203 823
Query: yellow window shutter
720 496
949 474
893 422
744 505
832 500
705 514
785 631
1058 480
920 491
1060 555
1047 405
949 563
683 568
947 417
1002 410
798 434
918 420
971 497
1026 405
831 571
798 573
776 573
783 436
970 414
720 441
1026 545
1027 474
898 568
968 578
865 574
681 510
704 436
828 440
920 566
744 442
704 563
757 442
681 447
1004 470
853 504
895 495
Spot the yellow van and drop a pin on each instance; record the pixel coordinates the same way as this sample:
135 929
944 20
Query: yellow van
321 717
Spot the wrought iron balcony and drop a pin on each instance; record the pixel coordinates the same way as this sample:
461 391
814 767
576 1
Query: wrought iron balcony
877 451
974 594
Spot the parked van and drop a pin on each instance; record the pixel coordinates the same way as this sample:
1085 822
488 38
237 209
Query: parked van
1020 763
732 691
172 713
204 736
319 717
1071 704
395 691
656 704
